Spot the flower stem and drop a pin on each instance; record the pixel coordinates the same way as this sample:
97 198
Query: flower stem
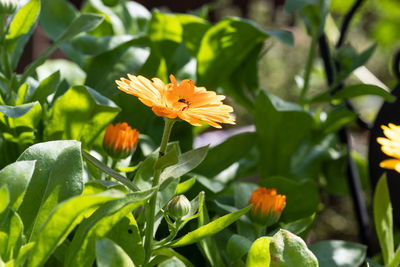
152 203
307 73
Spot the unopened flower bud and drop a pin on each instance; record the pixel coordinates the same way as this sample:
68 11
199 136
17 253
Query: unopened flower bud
120 140
267 206
178 207
8 7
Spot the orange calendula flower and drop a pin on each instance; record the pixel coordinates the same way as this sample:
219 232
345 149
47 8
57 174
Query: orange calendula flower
120 140
184 100
267 206
390 146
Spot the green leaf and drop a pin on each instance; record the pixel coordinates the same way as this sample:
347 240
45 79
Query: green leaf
52 181
4 197
237 247
185 186
110 171
382 209
23 254
128 57
297 206
23 21
16 177
169 159
186 162
224 155
46 87
338 117
81 252
224 47
172 262
22 94
363 89
259 255
165 39
194 29
82 23
12 227
80 114
62 221
276 121
289 250
56 16
210 228
16 111
294 5
168 252
334 253
300 226
109 254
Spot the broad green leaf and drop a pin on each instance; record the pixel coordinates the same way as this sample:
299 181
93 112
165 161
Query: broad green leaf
145 172
69 71
56 16
382 209
82 23
16 177
92 46
111 20
300 226
22 94
172 262
169 159
109 254
237 247
50 178
259 254
29 120
224 47
363 89
337 118
4 197
222 156
46 87
349 60
81 252
168 252
65 180
187 162
289 250
185 186
98 186
62 221
23 21
334 253
12 227
16 111
297 206
194 29
210 228
276 121
23 254
128 57
294 5
110 171
80 114
165 39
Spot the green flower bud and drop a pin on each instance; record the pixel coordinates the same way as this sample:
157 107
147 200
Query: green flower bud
8 7
178 207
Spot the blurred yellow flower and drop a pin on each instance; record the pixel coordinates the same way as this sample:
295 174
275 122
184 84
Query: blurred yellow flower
390 146
120 140
184 100
267 206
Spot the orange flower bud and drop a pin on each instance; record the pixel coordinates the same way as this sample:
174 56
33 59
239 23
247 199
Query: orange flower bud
267 206
120 140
